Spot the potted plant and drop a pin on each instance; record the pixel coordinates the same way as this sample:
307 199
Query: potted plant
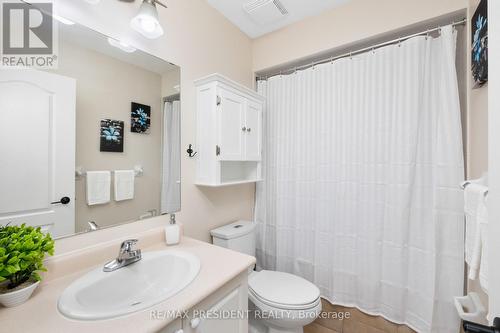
22 251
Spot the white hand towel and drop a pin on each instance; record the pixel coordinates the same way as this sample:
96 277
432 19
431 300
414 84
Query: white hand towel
482 220
98 187
124 184
474 194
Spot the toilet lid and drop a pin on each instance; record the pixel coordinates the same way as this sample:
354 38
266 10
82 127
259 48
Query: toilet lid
283 289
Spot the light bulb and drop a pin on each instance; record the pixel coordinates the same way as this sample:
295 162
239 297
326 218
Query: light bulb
146 21
148 24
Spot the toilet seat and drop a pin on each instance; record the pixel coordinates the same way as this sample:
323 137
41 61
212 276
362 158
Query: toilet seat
283 291
266 304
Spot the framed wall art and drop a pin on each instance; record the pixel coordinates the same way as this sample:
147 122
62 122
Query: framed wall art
479 26
112 135
140 118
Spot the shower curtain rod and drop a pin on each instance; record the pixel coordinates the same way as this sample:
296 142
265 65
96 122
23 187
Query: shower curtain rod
171 98
350 54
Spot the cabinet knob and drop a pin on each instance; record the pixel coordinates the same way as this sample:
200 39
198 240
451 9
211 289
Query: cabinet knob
249 129
243 128
195 322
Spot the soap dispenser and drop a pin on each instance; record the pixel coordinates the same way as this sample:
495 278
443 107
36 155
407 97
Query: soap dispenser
172 232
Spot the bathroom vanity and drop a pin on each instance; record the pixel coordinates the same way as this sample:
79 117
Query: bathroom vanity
220 285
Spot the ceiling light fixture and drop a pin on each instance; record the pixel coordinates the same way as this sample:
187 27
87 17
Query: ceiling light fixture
121 45
146 22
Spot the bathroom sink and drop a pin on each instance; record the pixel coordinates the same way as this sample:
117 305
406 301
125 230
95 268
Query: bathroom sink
157 277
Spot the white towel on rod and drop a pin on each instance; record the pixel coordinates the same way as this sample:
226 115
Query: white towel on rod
124 184
476 215
98 187
482 246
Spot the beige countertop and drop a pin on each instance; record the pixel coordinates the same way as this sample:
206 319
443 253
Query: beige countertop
40 314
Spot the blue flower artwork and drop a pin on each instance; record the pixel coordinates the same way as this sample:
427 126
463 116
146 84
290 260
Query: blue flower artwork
480 44
140 118
111 135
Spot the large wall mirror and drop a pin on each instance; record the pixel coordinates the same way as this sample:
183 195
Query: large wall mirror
92 143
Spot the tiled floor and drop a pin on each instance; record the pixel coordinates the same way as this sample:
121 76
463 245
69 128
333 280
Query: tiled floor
358 322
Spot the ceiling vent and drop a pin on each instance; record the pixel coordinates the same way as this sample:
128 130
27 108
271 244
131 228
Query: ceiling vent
265 11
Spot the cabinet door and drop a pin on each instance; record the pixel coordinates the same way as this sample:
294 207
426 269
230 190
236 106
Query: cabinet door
214 321
253 137
174 327
231 119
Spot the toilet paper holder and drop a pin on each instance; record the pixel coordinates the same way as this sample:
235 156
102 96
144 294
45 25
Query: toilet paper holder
478 328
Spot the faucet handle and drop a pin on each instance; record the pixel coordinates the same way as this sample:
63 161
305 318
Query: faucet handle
128 245
92 226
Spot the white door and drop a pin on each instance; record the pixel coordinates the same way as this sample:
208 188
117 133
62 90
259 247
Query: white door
231 119
37 147
253 135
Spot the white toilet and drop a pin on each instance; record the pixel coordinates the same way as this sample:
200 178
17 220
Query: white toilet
281 302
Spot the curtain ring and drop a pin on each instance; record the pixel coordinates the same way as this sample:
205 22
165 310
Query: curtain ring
399 42
427 34
373 50
350 55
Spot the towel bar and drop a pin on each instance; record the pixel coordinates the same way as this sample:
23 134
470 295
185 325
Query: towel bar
80 171
483 181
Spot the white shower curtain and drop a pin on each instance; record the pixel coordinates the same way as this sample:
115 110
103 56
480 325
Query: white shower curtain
171 163
362 164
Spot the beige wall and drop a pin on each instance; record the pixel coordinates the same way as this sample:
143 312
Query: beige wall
169 81
105 88
354 21
201 41
477 143
477 161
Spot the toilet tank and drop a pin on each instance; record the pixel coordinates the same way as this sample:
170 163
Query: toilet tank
238 236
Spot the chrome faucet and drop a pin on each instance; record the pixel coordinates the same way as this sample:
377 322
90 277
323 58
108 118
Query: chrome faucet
127 255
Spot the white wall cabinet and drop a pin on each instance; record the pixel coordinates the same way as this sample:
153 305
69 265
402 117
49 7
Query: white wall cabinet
229 132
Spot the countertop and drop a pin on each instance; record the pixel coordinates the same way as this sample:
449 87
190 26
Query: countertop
40 314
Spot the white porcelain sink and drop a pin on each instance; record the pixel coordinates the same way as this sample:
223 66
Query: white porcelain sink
157 277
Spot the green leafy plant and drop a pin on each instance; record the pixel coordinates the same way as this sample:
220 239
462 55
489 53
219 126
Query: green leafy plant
22 251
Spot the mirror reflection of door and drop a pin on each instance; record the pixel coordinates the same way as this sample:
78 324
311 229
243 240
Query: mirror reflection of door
37 143
82 142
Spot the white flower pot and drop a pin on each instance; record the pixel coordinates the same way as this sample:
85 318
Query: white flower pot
18 297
